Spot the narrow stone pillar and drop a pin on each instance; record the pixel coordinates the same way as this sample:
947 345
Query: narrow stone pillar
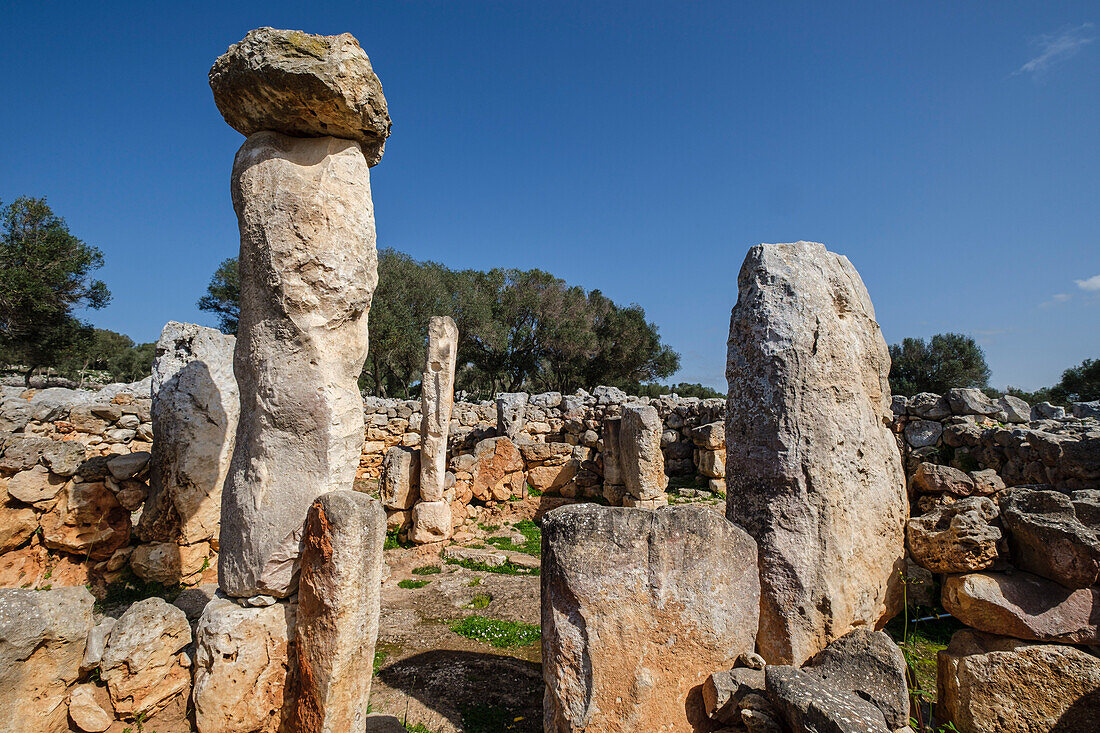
338 607
641 459
613 487
308 270
511 413
195 407
812 471
437 399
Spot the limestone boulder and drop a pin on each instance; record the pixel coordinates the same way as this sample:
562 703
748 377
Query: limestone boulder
42 638
400 481
928 406
970 401
194 413
431 522
930 478
1015 409
308 270
1024 606
990 683
498 470
88 520
870 666
36 485
436 400
17 524
955 538
339 598
86 712
641 460
168 563
639 607
923 433
724 691
22 452
141 662
302 85
806 703
1046 537
711 463
242 655
711 436
813 473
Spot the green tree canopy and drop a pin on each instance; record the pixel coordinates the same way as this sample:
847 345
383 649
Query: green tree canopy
223 296
945 361
45 274
1079 384
518 329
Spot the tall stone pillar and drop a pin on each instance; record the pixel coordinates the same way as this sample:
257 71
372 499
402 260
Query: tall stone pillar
812 471
641 461
316 120
431 518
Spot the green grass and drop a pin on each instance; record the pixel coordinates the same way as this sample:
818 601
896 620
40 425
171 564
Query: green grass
532 491
412 583
474 583
500 634
506 569
532 537
393 541
921 644
427 570
379 660
488 527
480 600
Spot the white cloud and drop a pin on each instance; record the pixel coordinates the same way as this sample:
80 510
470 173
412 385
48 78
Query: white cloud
1091 284
1056 47
1062 297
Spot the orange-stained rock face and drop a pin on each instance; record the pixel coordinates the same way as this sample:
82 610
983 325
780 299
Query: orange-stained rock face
88 519
498 473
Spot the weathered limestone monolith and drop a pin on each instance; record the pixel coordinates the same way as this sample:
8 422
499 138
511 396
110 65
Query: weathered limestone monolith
812 471
511 413
639 606
339 597
641 461
195 408
308 269
433 523
436 399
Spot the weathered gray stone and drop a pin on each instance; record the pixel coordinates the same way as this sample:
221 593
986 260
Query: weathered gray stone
994 684
195 410
723 692
308 269
930 478
339 596
431 522
436 399
928 406
1024 606
400 481
1047 411
641 460
612 452
511 413
955 538
808 704
241 662
923 433
970 401
638 608
870 666
42 638
141 663
302 85
1015 409
812 471
1046 537
1086 409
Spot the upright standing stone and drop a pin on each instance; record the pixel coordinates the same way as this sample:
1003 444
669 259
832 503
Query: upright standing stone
812 471
613 487
638 608
338 607
641 459
437 399
308 269
195 408
511 413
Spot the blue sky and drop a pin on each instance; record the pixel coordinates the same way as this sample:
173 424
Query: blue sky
950 150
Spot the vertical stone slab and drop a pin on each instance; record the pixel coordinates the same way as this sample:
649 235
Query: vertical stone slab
642 462
195 409
639 607
511 413
339 596
437 399
308 270
812 471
